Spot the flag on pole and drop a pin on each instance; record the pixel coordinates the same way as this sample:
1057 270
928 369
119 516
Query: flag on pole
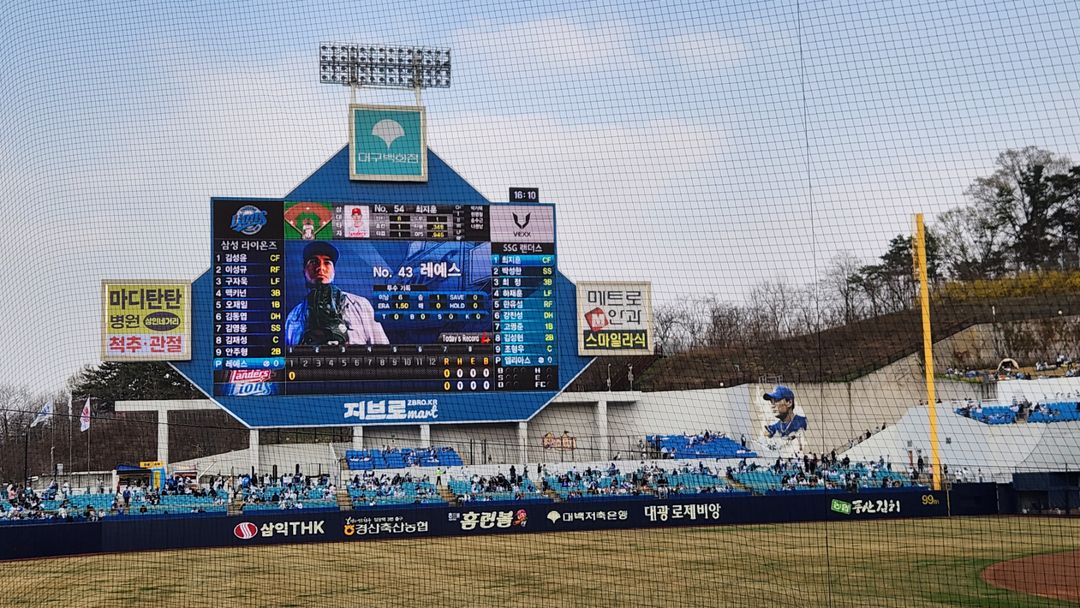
84 419
44 415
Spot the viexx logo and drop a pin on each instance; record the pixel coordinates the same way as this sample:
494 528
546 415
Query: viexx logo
522 223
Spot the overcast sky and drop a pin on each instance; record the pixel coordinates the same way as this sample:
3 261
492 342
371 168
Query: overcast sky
705 146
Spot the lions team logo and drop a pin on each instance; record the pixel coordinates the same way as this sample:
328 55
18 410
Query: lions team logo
248 220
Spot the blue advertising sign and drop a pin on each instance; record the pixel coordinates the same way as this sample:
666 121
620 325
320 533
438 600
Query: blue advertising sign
387 143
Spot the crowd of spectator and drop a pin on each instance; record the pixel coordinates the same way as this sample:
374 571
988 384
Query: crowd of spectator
498 487
58 501
24 503
1070 366
645 480
370 489
286 492
813 472
1063 365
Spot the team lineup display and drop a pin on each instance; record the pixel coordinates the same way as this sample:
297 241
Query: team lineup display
321 298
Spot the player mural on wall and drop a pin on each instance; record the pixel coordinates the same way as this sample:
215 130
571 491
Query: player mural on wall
785 433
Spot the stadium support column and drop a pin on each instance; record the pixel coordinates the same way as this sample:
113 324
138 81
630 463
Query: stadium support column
425 435
163 435
253 449
357 437
604 449
523 441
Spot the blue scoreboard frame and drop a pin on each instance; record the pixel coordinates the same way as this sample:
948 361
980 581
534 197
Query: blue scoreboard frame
366 407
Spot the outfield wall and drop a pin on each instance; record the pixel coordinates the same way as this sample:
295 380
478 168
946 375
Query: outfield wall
151 533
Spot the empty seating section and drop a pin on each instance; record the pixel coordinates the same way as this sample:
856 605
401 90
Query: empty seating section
100 502
696 483
760 482
371 459
698 446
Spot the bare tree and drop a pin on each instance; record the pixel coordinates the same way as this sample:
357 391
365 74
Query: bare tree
670 321
841 285
973 244
772 305
17 403
727 325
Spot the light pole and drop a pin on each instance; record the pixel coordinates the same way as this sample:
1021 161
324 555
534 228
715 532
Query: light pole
25 456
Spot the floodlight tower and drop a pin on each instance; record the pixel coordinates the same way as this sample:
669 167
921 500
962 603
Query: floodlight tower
384 66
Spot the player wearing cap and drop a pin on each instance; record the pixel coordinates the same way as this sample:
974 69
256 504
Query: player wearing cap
328 315
789 426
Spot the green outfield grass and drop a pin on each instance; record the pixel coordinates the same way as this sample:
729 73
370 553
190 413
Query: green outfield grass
903 563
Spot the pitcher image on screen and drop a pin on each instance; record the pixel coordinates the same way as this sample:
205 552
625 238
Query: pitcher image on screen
328 315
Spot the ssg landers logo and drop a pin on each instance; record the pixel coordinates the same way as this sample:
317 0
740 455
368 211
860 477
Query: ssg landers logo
250 382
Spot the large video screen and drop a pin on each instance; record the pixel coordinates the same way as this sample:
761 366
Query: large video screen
330 298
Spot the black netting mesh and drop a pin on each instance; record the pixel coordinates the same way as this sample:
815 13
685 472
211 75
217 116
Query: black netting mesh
382 401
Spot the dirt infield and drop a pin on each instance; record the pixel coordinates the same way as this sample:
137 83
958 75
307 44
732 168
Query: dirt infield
1053 575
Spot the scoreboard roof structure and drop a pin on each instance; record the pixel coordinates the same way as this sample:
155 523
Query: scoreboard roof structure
330 186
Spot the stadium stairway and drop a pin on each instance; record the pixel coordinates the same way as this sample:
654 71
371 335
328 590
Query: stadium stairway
448 495
344 501
235 506
738 485
553 495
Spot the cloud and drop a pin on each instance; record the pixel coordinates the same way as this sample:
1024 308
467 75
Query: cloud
704 187
707 49
128 194
547 50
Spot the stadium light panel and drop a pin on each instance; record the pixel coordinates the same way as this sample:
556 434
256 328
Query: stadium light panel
401 67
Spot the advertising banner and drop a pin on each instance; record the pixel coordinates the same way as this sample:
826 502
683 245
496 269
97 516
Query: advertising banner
145 320
614 318
387 143
140 533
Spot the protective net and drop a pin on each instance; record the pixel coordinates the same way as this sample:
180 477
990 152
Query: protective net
498 303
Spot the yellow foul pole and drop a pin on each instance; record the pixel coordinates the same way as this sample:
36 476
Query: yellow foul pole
928 349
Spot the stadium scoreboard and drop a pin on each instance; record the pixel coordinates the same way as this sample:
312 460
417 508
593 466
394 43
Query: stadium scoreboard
334 298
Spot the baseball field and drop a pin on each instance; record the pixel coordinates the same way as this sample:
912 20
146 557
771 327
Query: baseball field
909 563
